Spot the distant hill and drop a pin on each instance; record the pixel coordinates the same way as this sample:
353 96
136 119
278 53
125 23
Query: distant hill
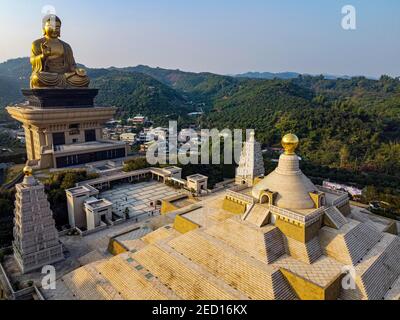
268 75
341 122
136 93
131 91
282 75
196 87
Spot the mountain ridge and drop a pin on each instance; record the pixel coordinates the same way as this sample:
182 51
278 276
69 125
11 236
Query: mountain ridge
341 122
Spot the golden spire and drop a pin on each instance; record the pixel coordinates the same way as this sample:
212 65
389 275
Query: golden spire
290 143
28 171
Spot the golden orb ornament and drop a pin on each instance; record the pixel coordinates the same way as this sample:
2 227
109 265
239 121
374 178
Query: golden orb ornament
28 171
290 143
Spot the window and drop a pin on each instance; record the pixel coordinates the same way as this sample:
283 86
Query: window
58 138
90 135
68 161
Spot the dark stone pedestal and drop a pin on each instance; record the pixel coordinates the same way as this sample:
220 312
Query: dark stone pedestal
60 98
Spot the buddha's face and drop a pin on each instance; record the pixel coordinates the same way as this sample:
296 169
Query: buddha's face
52 29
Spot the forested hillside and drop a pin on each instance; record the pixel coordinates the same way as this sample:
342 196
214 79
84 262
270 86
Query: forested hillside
136 93
343 123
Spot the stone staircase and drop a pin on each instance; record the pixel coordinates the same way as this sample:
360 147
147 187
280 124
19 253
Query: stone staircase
360 241
394 292
129 282
84 286
105 284
253 278
378 271
306 252
335 218
184 281
383 268
62 292
281 288
265 244
274 245
349 244
258 215
248 210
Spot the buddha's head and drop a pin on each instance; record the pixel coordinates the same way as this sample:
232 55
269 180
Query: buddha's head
52 26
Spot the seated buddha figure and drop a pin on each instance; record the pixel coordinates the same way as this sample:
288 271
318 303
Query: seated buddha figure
53 63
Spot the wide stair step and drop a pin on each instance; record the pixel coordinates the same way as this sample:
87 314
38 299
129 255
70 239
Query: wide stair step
307 252
265 244
257 215
349 244
274 245
382 273
378 271
253 278
394 292
335 218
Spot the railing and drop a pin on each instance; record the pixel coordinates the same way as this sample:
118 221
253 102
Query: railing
14 181
240 196
115 177
287 213
38 293
248 210
341 200
305 219
238 188
314 216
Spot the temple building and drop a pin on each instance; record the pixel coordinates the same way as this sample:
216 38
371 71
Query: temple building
60 134
280 237
36 242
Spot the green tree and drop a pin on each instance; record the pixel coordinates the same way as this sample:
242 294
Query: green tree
344 156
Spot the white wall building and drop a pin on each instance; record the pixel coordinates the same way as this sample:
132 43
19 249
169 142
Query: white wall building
98 213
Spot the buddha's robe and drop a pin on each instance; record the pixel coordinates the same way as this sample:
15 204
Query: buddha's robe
60 72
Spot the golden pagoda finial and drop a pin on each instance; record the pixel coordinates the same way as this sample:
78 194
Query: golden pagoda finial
28 171
290 143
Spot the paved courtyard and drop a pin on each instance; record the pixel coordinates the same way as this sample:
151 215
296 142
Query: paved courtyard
137 197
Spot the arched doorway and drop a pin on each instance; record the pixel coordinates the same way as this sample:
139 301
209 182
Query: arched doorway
265 199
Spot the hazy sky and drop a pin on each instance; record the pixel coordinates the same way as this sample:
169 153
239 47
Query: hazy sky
222 36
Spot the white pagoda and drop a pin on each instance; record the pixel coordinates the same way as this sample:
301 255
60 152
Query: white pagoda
251 164
36 241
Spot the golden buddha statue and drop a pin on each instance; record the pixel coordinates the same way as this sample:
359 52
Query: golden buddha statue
53 63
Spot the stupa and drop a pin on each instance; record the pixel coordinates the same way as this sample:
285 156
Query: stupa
292 188
36 242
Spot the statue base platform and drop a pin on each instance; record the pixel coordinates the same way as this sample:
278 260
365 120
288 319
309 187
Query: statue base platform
60 98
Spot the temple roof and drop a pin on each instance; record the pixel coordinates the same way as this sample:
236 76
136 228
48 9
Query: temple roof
290 184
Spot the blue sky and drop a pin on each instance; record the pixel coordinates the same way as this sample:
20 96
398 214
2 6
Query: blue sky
222 36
